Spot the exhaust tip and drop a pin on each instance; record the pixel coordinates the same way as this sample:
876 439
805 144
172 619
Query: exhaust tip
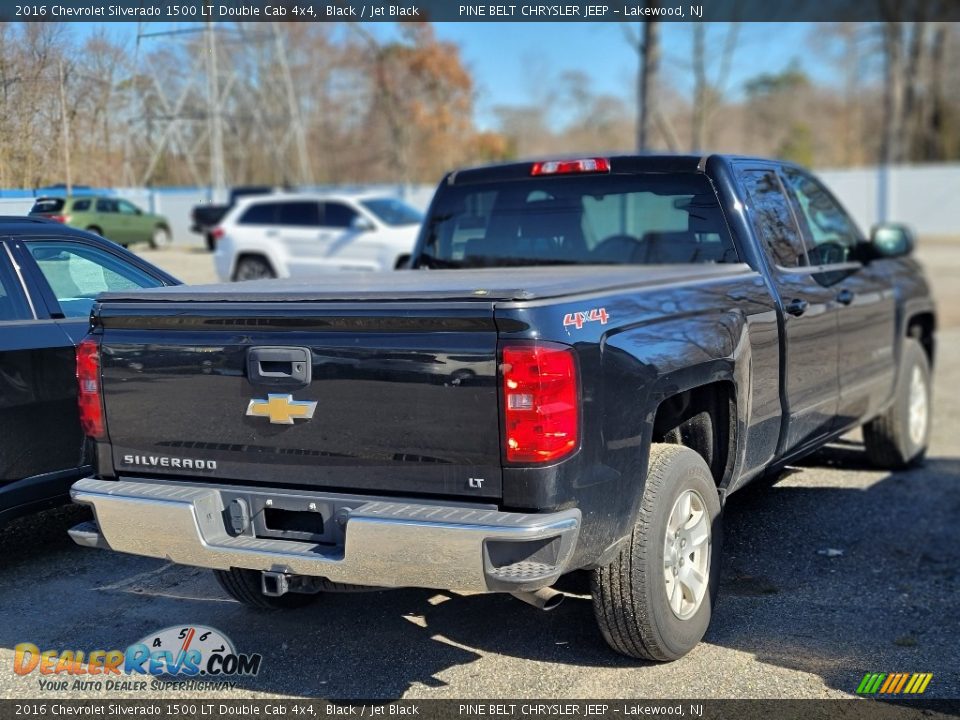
545 599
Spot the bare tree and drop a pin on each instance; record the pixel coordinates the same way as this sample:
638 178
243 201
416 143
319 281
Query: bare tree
708 92
647 46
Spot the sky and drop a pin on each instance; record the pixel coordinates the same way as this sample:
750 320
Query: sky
512 62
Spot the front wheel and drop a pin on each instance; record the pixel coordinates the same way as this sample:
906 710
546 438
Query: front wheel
899 438
654 601
160 238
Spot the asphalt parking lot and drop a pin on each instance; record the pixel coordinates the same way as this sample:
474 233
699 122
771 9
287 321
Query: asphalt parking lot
833 571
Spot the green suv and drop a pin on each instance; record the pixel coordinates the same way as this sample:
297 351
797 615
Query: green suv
113 218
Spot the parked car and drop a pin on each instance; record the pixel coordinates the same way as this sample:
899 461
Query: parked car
299 235
114 218
49 276
644 336
206 216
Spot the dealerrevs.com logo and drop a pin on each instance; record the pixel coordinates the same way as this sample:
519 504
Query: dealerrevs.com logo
202 656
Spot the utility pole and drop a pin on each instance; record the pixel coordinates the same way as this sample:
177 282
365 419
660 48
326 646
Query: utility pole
65 132
218 180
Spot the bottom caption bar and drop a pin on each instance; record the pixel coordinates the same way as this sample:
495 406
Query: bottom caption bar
853 709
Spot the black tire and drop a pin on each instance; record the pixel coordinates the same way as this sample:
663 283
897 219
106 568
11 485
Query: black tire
211 241
253 268
891 442
244 586
95 230
630 598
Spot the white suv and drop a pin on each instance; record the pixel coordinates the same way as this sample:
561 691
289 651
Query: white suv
298 235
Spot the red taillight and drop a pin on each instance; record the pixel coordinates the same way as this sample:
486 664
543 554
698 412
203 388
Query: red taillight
540 401
89 398
217 233
60 218
568 167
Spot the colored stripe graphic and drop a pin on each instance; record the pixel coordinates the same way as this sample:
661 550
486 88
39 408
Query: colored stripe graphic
894 683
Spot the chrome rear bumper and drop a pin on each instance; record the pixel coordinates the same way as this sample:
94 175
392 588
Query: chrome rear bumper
383 542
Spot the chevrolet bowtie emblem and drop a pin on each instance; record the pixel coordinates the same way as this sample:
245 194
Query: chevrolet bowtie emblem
281 409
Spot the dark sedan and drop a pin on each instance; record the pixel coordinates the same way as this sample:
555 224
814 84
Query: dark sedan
49 276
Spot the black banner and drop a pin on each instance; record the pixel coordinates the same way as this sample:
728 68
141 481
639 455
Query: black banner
280 709
474 11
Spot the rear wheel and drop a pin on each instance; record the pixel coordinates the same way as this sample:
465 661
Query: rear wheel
253 268
160 238
95 230
654 601
245 586
899 438
211 241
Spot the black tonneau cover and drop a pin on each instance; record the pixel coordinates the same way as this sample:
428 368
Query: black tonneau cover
516 283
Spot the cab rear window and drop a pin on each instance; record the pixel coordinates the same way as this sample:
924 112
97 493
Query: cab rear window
599 219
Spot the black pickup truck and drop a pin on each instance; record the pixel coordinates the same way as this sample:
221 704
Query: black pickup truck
585 359
205 217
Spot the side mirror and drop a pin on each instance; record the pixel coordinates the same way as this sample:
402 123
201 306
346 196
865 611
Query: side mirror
361 224
891 240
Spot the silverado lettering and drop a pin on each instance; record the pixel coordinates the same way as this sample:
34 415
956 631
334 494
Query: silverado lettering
614 345
171 462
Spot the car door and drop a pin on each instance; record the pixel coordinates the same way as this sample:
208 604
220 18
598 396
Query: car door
809 372
354 243
137 227
865 297
39 426
109 221
301 236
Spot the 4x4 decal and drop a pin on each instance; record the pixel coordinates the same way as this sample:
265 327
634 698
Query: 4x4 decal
578 319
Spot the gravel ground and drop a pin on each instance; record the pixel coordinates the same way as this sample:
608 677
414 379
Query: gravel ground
790 622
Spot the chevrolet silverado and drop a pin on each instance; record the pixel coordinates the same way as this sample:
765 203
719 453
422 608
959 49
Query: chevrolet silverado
585 358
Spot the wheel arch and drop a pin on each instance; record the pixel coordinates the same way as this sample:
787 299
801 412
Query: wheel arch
702 417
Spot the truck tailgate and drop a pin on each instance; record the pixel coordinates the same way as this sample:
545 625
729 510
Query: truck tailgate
406 395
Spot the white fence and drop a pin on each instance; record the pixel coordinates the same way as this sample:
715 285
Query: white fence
920 195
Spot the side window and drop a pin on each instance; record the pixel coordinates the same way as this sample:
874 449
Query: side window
13 305
127 208
338 215
81 206
829 232
259 214
77 273
298 214
772 218
106 206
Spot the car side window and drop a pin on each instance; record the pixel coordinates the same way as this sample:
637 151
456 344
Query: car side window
259 214
829 232
106 206
304 213
338 215
77 273
773 219
81 205
13 304
126 208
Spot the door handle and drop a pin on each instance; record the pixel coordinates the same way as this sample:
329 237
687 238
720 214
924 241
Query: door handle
845 296
279 366
797 307
272 233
